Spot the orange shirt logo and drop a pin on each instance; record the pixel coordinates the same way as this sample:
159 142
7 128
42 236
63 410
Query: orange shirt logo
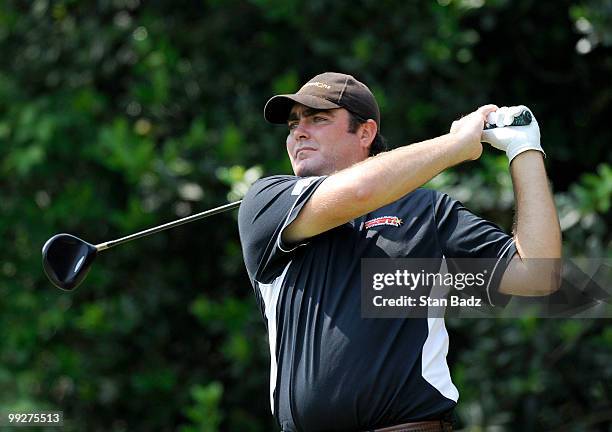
384 220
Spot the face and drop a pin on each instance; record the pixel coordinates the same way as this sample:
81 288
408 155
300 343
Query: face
319 142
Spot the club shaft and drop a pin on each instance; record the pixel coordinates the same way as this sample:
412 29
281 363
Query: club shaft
221 209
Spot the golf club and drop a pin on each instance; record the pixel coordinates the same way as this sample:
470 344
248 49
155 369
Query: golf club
67 259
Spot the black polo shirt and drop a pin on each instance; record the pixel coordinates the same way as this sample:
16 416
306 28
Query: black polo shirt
330 369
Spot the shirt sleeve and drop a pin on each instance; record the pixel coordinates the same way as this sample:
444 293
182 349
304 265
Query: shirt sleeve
462 234
269 206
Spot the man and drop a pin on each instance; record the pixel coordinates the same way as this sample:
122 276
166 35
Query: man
303 237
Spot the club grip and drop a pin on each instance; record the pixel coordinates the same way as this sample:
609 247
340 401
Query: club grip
523 119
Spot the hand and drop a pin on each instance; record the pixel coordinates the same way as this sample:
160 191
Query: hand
514 140
468 130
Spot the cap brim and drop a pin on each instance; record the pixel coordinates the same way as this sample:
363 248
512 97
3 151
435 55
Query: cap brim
277 109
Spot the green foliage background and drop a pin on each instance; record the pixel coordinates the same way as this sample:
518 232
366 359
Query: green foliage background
117 115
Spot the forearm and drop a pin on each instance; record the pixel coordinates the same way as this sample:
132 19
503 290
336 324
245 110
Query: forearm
537 231
535 269
389 176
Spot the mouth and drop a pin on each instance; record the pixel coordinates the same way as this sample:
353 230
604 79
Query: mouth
303 149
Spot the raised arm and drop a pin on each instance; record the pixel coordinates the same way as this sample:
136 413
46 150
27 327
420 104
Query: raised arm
380 180
534 270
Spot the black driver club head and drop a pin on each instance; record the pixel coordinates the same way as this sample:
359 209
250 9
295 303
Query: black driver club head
67 259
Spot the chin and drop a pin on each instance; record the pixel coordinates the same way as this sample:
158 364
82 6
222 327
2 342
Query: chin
308 169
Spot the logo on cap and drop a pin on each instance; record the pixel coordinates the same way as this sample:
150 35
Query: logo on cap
317 84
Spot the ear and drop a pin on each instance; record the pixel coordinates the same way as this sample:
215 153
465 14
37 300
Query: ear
367 133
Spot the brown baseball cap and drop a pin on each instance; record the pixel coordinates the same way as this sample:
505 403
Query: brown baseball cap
328 90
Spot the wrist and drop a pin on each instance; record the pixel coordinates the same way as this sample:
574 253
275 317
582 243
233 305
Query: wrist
514 151
463 148
532 157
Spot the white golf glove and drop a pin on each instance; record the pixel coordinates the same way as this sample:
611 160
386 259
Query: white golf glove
514 140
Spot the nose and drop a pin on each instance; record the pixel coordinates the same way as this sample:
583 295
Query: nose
300 132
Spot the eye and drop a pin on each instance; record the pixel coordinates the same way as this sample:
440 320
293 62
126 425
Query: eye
319 118
292 125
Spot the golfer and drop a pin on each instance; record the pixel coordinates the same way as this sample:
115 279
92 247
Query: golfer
303 238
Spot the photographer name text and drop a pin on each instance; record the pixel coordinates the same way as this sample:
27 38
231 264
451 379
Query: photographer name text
407 301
